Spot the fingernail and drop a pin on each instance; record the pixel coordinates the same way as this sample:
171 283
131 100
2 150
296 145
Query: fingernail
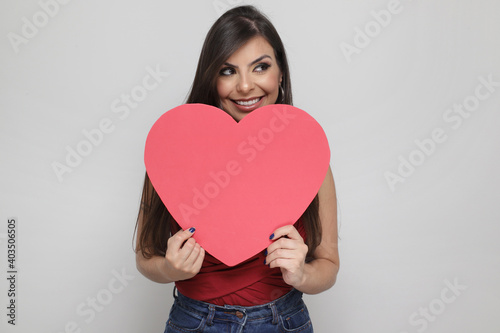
265 252
192 229
265 262
271 237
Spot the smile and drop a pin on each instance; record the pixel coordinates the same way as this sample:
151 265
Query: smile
248 102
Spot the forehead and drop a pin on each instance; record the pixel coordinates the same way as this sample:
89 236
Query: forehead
251 50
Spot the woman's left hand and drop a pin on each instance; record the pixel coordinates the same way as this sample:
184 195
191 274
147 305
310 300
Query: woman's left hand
288 252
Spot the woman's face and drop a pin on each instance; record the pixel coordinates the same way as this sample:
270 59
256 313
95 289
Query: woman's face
250 78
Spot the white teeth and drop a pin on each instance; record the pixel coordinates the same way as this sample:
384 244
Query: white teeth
248 103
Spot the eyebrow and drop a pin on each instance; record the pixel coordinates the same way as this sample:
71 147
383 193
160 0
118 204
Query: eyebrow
250 64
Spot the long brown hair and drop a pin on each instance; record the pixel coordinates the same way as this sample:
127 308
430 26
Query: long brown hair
233 29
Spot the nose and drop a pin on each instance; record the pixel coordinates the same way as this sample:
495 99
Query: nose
245 83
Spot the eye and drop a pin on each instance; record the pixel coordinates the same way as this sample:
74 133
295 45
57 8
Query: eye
226 71
261 67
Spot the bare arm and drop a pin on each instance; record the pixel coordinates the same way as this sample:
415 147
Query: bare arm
183 258
289 253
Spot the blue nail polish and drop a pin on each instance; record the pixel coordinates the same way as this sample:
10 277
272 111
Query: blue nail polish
265 252
191 230
271 237
265 262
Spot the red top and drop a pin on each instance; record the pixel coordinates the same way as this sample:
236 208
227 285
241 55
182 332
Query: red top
247 284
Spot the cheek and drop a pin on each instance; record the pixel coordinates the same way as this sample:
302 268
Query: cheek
223 89
271 83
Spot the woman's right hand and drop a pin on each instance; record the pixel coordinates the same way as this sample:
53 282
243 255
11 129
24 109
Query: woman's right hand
184 256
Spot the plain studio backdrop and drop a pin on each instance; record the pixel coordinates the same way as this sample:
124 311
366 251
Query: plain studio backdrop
408 93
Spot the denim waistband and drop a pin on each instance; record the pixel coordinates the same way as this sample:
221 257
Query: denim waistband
280 305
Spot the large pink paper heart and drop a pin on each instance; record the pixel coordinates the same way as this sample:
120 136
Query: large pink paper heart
236 182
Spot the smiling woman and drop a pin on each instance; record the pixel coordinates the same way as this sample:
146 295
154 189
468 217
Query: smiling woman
242 67
241 42
250 78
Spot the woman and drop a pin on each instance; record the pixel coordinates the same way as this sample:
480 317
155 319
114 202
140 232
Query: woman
242 67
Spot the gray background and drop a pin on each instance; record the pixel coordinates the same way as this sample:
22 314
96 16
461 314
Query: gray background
401 246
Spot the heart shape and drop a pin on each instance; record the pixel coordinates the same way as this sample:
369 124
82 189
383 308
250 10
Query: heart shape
236 182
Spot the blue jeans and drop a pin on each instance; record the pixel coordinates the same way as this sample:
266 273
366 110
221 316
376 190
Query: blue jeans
286 314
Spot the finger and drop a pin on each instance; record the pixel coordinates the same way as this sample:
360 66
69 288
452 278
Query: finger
289 267
284 243
285 248
288 230
180 237
287 259
191 253
199 259
280 254
187 249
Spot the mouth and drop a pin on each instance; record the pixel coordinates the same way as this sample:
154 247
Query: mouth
247 105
